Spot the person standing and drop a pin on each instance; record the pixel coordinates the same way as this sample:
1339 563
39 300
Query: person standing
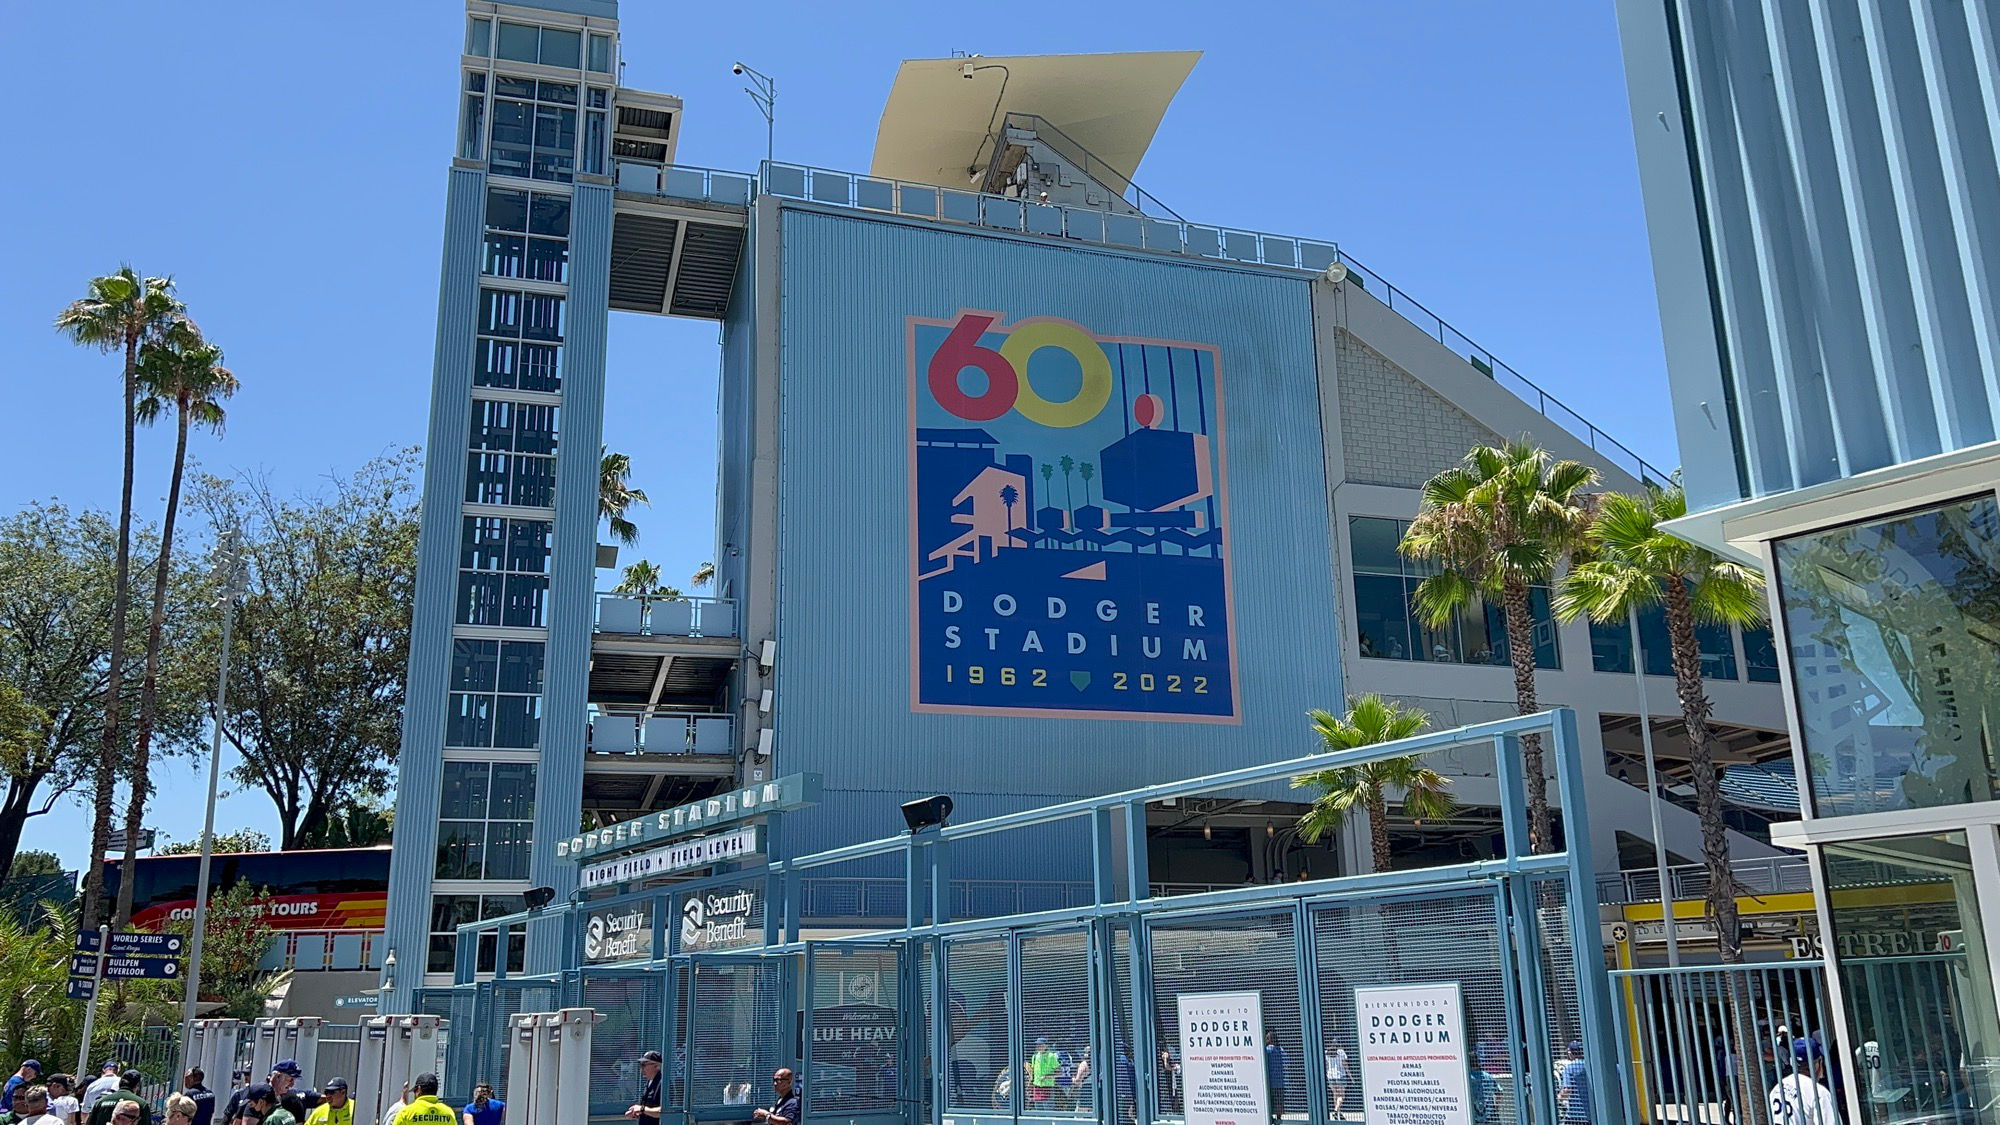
647 1109
784 1109
30 1106
113 1107
30 1074
396 1107
425 1107
334 1107
484 1108
104 1085
62 1099
1802 1097
1274 1075
1336 1078
1574 1091
194 1087
1042 1068
283 1075
180 1110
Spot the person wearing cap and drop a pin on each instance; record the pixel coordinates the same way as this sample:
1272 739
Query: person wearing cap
426 1108
257 1102
62 1099
284 1074
123 1106
1802 1097
106 1083
484 1108
29 1074
194 1088
647 1110
334 1107
1573 1093
1043 1066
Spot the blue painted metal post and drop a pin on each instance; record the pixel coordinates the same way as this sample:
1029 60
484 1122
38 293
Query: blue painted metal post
913 883
1593 984
1103 864
1138 864
1533 1075
940 1030
1312 1044
777 881
1016 1034
941 910
1139 886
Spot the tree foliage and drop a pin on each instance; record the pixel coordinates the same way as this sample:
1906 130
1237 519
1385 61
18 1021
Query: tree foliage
615 495
241 840
1421 791
317 664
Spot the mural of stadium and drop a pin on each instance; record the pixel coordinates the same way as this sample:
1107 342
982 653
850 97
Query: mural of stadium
1068 523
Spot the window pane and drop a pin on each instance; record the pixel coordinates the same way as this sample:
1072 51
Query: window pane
486 478
541 367
478 36
560 93
474 665
472 128
1760 653
443 954
1718 651
527 601
543 318
1913 969
499 312
465 789
517 722
460 849
600 53
562 48
513 791
598 98
506 210
528 546
470 721
507 849
535 428
550 215
1382 616
518 42
534 483
521 88
494 363
492 425
505 255
593 143
479 599
1375 545
482 544
521 667
548 260
1611 647
1893 628
475 81
448 912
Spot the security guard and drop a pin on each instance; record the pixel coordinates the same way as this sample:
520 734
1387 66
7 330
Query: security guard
425 1108
334 1107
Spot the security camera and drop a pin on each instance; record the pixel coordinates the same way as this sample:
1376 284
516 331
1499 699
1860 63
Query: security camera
737 69
1336 273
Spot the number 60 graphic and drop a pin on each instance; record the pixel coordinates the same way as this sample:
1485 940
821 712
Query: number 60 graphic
1006 370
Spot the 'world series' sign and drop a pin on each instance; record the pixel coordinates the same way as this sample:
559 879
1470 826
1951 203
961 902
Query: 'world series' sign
786 793
735 844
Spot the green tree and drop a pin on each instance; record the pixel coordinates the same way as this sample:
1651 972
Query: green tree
1086 470
241 840
182 372
702 576
56 584
1068 464
366 821
232 946
1371 721
1503 520
642 580
322 636
35 1011
615 495
30 863
121 312
1635 564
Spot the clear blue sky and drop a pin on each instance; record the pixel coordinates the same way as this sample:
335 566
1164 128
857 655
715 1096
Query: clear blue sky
287 164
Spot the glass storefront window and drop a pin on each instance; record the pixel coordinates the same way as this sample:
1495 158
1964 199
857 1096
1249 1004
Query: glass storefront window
1894 635
1919 996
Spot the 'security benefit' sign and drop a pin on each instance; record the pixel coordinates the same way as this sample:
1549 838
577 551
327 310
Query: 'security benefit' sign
1413 1054
1222 1058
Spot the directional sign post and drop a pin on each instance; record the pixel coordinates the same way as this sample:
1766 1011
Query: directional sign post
82 988
134 944
93 972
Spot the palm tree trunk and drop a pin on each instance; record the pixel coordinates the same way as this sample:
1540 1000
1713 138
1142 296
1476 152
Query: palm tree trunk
1701 761
135 808
1378 829
1519 614
121 599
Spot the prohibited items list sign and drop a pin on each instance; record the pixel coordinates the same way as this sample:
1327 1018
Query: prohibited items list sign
1413 1054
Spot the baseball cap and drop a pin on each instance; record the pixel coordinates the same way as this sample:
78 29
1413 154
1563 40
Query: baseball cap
36 1065
1576 1046
1806 1050
336 1084
288 1067
260 1092
651 1057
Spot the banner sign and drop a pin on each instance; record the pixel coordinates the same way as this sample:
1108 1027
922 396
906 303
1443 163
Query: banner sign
619 933
735 844
786 793
715 920
1068 523
1413 1056
127 944
1222 1058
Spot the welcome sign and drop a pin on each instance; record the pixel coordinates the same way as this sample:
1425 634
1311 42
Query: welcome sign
1413 1056
1068 523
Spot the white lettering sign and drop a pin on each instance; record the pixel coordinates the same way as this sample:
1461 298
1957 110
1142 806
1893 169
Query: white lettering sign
688 854
719 920
1413 1054
1222 1058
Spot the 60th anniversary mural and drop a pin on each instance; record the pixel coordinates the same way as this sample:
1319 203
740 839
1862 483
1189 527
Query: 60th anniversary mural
1069 522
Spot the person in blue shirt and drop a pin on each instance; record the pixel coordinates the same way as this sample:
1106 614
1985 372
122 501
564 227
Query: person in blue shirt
1274 1074
1574 1093
484 1108
29 1074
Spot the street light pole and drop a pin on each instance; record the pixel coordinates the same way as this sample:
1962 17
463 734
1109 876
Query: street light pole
230 565
764 92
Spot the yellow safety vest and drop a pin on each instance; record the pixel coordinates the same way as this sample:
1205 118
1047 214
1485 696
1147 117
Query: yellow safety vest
427 1110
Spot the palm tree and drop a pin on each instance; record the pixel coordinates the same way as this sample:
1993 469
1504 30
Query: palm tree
703 575
615 494
1068 464
183 371
1371 721
1010 496
120 313
1086 470
1636 564
642 581
1504 520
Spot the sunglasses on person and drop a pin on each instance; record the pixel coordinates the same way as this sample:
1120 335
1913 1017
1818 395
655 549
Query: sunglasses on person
125 1115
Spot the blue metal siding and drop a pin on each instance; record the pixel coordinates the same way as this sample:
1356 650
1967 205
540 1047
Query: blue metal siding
419 766
735 409
844 670
1842 157
573 565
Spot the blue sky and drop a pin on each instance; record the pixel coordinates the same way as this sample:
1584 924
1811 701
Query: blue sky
287 164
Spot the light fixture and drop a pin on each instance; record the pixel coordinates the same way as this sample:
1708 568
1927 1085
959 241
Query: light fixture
1207 833
928 811
1269 830
537 897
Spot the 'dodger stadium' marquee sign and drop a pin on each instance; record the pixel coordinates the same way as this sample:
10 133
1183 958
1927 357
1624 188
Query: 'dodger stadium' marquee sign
783 795
1069 523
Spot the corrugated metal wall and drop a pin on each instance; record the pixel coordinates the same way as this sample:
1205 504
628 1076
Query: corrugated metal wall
420 765
844 697
1845 181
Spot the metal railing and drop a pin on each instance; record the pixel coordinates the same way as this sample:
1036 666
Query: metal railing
659 617
1766 875
1708 1045
675 733
883 898
686 182
1196 240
